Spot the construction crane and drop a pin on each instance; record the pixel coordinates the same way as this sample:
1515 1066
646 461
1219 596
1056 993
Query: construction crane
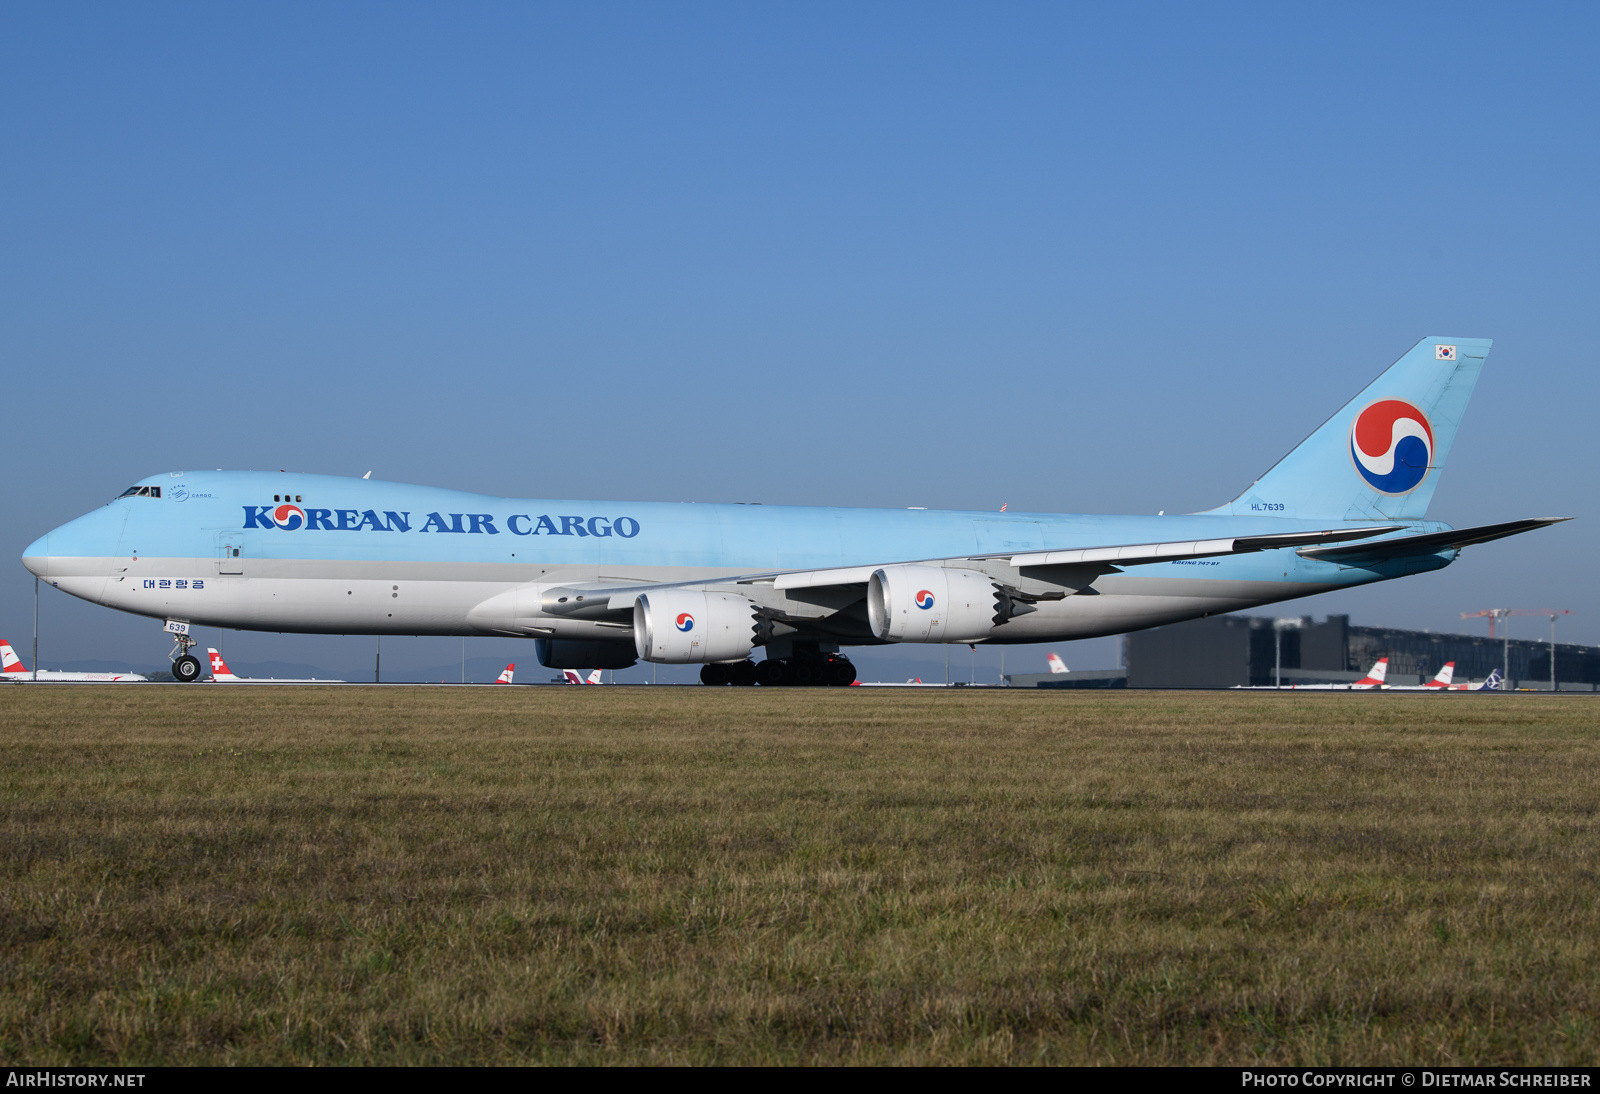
1497 615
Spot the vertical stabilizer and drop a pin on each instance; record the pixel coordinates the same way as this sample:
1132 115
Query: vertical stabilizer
1375 675
1380 456
219 667
1445 677
9 661
505 677
1057 665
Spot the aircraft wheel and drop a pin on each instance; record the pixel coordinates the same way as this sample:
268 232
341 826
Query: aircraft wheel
808 675
743 675
841 673
186 669
770 673
714 675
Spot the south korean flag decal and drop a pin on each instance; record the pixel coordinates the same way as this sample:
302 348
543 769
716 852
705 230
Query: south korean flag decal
1444 353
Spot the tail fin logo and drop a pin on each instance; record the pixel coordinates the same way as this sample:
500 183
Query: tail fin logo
9 661
1391 443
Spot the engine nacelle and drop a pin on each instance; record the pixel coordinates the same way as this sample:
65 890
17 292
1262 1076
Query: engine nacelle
689 627
583 653
932 604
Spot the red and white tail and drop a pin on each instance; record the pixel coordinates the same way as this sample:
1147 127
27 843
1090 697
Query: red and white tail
9 661
1375 675
219 667
1055 663
505 677
1445 678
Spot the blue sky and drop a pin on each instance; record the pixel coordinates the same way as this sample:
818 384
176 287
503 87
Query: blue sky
1107 259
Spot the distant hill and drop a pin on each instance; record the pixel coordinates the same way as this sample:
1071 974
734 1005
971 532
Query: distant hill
102 666
283 670
480 670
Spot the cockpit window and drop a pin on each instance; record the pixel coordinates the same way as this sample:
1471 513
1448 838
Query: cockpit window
141 492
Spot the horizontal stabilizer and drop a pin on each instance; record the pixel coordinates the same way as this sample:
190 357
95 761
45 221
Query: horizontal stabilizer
1431 543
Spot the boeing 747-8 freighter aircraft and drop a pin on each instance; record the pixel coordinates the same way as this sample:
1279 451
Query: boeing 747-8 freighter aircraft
601 584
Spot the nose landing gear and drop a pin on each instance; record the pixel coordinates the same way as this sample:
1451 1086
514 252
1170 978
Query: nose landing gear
185 666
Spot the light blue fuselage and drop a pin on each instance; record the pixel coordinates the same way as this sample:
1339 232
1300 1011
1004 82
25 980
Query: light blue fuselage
387 558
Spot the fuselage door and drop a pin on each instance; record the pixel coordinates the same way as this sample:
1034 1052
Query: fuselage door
1000 536
231 553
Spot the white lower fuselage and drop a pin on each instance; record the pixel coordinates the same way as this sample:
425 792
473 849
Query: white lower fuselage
331 597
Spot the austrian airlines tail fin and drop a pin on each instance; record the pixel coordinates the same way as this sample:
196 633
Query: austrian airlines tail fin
1375 675
1056 664
574 677
505 677
9 661
1444 680
1380 456
219 667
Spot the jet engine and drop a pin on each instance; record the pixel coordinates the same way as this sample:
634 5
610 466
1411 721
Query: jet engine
933 604
684 627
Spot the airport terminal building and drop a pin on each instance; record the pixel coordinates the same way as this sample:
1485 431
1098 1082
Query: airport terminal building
1232 650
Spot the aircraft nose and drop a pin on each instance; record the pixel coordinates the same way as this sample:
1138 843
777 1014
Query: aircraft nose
36 556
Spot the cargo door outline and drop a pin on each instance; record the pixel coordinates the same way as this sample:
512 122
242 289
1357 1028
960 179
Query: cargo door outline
232 553
999 536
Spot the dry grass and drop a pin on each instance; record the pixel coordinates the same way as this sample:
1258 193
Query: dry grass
296 875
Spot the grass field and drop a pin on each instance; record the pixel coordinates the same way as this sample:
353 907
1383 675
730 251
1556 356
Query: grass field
595 875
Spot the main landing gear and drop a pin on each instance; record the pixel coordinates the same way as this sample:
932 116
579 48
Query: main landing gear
829 670
185 666
741 674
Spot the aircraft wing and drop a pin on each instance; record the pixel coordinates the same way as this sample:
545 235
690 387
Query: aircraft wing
595 601
1428 544
1201 548
1102 558
831 598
